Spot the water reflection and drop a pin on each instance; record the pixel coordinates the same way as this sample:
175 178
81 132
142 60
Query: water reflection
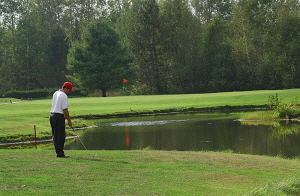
141 123
280 138
192 132
127 137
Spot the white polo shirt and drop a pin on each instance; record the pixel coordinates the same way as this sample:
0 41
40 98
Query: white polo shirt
59 102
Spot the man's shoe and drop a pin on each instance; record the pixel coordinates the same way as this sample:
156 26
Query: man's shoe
62 156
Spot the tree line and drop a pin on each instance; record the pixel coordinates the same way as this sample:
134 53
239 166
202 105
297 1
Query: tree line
158 46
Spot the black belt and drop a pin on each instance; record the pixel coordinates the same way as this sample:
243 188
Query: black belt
56 113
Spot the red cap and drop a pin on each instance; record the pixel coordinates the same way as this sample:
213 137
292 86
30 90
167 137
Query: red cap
69 85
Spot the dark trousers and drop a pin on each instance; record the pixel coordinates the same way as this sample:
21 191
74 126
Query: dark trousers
58 125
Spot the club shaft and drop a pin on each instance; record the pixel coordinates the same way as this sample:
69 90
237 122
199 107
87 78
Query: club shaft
79 139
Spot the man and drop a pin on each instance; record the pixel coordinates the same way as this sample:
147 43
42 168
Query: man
59 112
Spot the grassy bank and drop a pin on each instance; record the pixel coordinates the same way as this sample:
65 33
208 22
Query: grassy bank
37 172
19 117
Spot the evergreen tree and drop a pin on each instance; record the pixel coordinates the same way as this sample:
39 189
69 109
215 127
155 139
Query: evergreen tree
98 61
54 71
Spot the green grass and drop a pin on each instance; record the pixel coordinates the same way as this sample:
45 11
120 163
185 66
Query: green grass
261 115
145 172
286 187
18 119
139 172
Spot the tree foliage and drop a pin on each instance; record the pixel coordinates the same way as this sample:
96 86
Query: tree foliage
178 46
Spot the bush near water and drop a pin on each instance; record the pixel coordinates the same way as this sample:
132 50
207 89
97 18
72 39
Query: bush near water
282 109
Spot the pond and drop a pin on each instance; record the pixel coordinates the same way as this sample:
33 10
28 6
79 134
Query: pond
192 132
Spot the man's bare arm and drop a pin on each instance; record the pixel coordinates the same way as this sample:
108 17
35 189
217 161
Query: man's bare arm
67 116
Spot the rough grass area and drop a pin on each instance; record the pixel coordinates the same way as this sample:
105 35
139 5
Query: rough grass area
285 187
145 172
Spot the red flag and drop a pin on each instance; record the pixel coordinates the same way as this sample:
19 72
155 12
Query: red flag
124 80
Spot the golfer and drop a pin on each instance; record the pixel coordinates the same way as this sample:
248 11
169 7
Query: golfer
59 112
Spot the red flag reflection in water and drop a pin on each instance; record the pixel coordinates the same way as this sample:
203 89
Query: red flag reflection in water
127 137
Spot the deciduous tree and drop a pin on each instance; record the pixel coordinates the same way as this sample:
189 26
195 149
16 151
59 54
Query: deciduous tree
147 41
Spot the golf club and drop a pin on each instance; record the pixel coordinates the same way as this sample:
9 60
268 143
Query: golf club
82 142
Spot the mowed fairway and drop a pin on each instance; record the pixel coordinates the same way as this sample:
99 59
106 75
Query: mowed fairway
20 117
142 173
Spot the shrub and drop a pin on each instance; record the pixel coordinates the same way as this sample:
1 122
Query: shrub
284 110
78 92
39 93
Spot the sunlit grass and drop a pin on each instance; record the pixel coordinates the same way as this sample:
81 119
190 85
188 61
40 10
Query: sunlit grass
290 186
144 172
260 115
19 118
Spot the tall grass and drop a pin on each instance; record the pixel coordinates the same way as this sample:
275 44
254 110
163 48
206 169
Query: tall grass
260 115
283 188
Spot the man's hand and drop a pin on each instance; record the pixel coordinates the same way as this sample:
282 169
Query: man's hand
70 123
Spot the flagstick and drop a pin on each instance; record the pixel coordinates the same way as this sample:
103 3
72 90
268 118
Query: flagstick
123 88
124 80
